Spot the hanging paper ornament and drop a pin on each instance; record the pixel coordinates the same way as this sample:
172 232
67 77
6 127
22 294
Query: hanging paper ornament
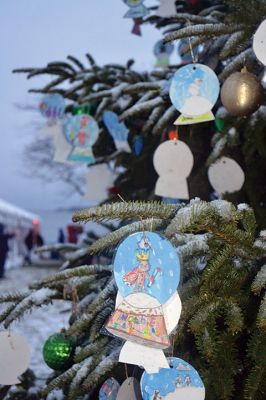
130 390
219 124
14 357
259 43
226 176
81 131
117 130
109 390
81 109
173 162
163 52
62 148
186 57
180 382
137 12
167 8
242 93
52 106
138 144
58 351
99 178
194 91
147 273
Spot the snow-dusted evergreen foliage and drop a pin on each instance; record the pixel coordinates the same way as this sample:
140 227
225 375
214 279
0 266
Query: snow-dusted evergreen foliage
222 328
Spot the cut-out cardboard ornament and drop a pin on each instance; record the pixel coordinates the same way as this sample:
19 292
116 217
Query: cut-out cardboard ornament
109 390
180 382
167 8
259 43
226 176
99 179
163 52
137 11
117 130
147 273
52 106
14 357
194 90
173 162
62 148
130 390
81 131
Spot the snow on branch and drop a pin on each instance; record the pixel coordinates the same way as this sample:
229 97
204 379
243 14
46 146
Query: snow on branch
132 209
206 30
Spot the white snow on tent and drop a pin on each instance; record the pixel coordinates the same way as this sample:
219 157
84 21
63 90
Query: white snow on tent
13 216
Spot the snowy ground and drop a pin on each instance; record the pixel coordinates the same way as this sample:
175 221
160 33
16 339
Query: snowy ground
41 322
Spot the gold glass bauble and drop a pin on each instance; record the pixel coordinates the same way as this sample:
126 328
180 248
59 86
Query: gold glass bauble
241 94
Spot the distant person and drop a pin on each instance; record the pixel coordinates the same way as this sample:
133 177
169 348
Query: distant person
61 236
73 232
4 237
33 239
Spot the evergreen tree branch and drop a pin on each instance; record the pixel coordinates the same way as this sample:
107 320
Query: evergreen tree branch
129 210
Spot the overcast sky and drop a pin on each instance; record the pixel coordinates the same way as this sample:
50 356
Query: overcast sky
34 32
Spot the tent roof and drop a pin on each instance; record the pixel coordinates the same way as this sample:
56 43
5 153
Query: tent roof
13 215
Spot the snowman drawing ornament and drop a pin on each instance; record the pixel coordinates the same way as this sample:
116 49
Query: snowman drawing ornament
194 90
147 273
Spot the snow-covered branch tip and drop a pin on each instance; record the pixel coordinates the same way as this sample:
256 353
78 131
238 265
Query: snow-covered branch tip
126 210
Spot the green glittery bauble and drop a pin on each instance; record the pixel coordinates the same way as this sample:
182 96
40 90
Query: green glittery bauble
58 351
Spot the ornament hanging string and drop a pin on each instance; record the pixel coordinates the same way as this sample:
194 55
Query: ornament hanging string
194 60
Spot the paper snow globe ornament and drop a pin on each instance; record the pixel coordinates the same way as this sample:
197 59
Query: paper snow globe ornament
180 382
163 52
117 130
109 389
52 106
14 357
137 11
226 176
173 162
259 43
194 90
147 273
81 131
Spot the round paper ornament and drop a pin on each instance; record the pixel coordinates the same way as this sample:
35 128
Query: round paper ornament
146 262
14 357
194 90
58 351
226 176
241 94
173 162
180 382
52 106
259 43
109 390
81 131
163 51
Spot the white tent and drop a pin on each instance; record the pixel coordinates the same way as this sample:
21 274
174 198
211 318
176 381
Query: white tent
13 216
18 221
